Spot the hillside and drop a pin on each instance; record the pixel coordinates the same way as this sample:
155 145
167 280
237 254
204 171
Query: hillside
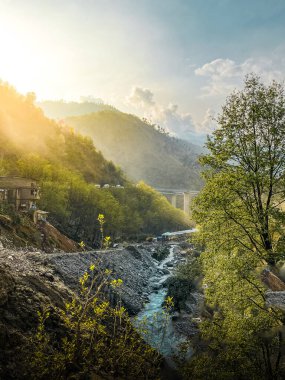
67 166
33 282
24 130
59 109
143 152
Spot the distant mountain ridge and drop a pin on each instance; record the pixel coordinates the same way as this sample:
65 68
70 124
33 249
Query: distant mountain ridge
67 166
142 151
59 109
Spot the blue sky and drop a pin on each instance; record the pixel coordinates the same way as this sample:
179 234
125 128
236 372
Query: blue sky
173 61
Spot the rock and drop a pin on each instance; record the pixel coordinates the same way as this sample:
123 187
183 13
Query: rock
180 289
275 299
49 276
175 316
7 285
164 284
169 264
134 252
185 245
165 271
272 281
35 280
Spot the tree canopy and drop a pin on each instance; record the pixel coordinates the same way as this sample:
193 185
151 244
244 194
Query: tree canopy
245 168
241 225
68 167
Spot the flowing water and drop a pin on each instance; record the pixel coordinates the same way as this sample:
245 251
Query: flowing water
153 318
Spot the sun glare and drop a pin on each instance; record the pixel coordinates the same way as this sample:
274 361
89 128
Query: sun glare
25 62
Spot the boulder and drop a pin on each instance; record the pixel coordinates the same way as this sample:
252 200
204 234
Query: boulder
134 252
272 281
275 299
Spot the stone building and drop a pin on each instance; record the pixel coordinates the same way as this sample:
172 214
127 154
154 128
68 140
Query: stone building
23 193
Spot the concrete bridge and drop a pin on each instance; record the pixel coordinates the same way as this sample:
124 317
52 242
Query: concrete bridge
179 198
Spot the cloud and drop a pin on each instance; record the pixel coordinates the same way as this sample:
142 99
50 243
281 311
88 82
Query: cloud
208 124
169 117
141 97
218 68
223 75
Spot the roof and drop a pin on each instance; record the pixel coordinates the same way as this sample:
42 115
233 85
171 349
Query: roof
16 182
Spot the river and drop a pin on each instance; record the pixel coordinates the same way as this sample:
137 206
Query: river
157 323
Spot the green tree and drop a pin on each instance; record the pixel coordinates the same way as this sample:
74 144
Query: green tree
241 227
246 168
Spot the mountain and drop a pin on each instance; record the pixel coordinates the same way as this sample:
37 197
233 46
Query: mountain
24 130
142 151
67 166
59 109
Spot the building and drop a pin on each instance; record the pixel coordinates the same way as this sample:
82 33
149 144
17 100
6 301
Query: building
22 193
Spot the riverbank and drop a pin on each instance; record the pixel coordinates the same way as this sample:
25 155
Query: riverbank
30 281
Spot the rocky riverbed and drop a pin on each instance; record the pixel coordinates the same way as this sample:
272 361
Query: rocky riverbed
31 280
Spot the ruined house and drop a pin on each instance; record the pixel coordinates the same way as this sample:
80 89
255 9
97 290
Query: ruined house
22 193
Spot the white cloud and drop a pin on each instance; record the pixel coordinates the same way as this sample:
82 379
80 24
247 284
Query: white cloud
218 68
208 124
170 118
181 124
140 97
223 75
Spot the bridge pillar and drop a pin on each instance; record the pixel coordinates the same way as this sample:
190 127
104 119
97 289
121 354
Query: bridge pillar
186 204
174 200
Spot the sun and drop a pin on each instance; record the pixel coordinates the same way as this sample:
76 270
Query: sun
25 60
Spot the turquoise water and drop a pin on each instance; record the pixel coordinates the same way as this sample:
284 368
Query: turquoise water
154 323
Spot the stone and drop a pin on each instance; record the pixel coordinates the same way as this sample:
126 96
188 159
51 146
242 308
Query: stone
275 299
156 286
175 316
134 252
49 276
272 281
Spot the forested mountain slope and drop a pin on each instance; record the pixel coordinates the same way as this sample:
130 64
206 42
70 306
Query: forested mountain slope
67 165
142 151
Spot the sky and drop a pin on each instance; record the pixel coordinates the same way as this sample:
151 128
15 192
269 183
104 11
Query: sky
172 61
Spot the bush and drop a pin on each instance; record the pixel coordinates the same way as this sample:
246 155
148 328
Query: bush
95 338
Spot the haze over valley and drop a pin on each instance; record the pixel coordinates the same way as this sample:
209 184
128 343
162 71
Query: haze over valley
142 190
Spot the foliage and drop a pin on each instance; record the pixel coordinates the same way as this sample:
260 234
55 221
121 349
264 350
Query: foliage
190 270
241 228
142 150
97 339
161 253
246 169
68 166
